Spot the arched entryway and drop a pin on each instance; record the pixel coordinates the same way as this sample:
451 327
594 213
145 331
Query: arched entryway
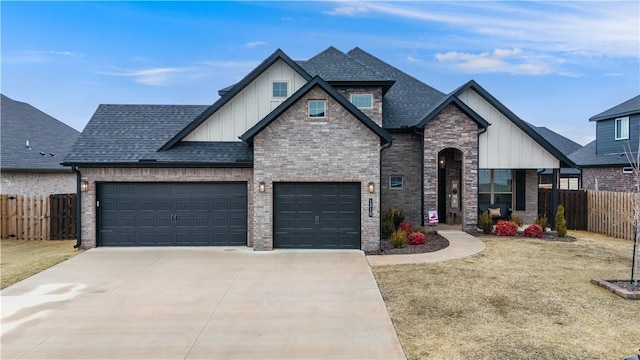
450 201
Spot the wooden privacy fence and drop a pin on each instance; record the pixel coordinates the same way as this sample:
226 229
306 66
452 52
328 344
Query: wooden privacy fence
38 217
611 213
575 207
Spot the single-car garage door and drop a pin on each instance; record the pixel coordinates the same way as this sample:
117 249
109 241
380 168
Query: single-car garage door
172 214
317 215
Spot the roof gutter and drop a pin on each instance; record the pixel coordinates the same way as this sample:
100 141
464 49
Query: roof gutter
78 206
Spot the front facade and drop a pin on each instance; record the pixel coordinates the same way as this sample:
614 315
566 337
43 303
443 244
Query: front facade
607 162
304 154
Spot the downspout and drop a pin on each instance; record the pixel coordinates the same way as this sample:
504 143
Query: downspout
421 133
382 148
78 206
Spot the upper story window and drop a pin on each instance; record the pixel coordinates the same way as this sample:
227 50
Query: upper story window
622 128
280 89
317 108
362 101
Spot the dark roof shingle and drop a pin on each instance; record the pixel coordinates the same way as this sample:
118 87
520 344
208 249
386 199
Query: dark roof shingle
631 106
46 135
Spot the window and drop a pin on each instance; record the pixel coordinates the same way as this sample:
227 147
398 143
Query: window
396 182
316 108
495 187
622 128
280 89
362 101
627 170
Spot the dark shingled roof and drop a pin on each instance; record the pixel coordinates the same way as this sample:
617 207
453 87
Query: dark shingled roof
586 157
566 146
334 65
400 108
629 107
128 134
22 122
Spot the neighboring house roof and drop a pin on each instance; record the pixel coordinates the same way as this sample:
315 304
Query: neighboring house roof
586 157
629 107
316 81
49 139
133 134
231 91
408 101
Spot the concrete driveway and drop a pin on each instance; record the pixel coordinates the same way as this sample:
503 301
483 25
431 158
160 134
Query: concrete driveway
200 303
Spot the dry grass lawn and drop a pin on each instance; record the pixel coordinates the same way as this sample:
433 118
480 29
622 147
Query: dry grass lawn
21 258
519 299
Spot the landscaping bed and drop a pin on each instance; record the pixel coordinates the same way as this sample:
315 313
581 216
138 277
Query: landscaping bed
434 242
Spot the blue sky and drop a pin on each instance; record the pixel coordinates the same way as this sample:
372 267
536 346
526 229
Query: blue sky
554 64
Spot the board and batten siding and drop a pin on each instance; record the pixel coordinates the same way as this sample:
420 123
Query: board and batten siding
606 142
248 107
504 145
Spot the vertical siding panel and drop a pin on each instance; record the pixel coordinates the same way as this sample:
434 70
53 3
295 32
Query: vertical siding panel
4 219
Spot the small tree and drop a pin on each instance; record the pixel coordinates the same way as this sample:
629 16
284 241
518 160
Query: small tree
635 165
561 222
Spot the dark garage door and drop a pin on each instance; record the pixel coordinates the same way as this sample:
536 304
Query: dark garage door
317 215
172 214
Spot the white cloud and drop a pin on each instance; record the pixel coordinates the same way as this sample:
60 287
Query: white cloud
253 44
153 76
349 10
512 61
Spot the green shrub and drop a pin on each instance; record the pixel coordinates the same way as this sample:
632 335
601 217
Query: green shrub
398 239
485 222
388 225
420 229
517 218
543 222
397 215
561 222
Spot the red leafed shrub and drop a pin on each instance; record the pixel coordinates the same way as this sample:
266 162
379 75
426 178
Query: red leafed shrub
533 230
417 238
506 228
405 226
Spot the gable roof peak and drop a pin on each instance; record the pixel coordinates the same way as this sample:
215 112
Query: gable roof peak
629 107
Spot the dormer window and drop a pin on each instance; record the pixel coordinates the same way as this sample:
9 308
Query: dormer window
622 128
362 101
280 89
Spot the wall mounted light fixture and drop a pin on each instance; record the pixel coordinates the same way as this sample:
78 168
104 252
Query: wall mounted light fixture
441 162
371 187
84 185
261 186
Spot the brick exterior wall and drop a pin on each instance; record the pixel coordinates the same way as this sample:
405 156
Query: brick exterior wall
531 194
451 128
294 149
608 179
375 112
26 183
404 157
93 175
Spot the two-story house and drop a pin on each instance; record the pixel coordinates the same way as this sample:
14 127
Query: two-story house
606 161
304 154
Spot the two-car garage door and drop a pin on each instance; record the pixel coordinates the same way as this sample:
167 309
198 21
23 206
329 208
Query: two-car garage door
172 214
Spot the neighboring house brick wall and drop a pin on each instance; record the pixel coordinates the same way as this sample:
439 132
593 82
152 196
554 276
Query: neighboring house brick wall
28 183
451 128
93 175
607 178
404 157
375 113
294 149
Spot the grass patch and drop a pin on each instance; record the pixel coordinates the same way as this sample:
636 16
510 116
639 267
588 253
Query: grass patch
21 259
519 299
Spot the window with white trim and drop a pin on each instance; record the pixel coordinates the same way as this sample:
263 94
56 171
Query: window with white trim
396 182
622 128
317 109
279 89
362 101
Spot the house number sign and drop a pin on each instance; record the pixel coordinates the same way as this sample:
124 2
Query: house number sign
370 207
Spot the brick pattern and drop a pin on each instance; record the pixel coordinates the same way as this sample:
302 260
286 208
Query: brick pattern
93 175
452 129
403 158
294 149
21 183
608 179
531 194
375 113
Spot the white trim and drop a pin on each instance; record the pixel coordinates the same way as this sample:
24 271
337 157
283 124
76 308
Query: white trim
363 107
627 170
624 132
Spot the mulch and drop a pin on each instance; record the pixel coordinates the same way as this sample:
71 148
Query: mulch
434 242
549 236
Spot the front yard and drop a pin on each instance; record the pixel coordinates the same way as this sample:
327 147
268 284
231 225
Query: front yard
22 258
519 299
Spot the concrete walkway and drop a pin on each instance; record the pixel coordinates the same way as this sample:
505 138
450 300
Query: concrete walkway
461 245
200 303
